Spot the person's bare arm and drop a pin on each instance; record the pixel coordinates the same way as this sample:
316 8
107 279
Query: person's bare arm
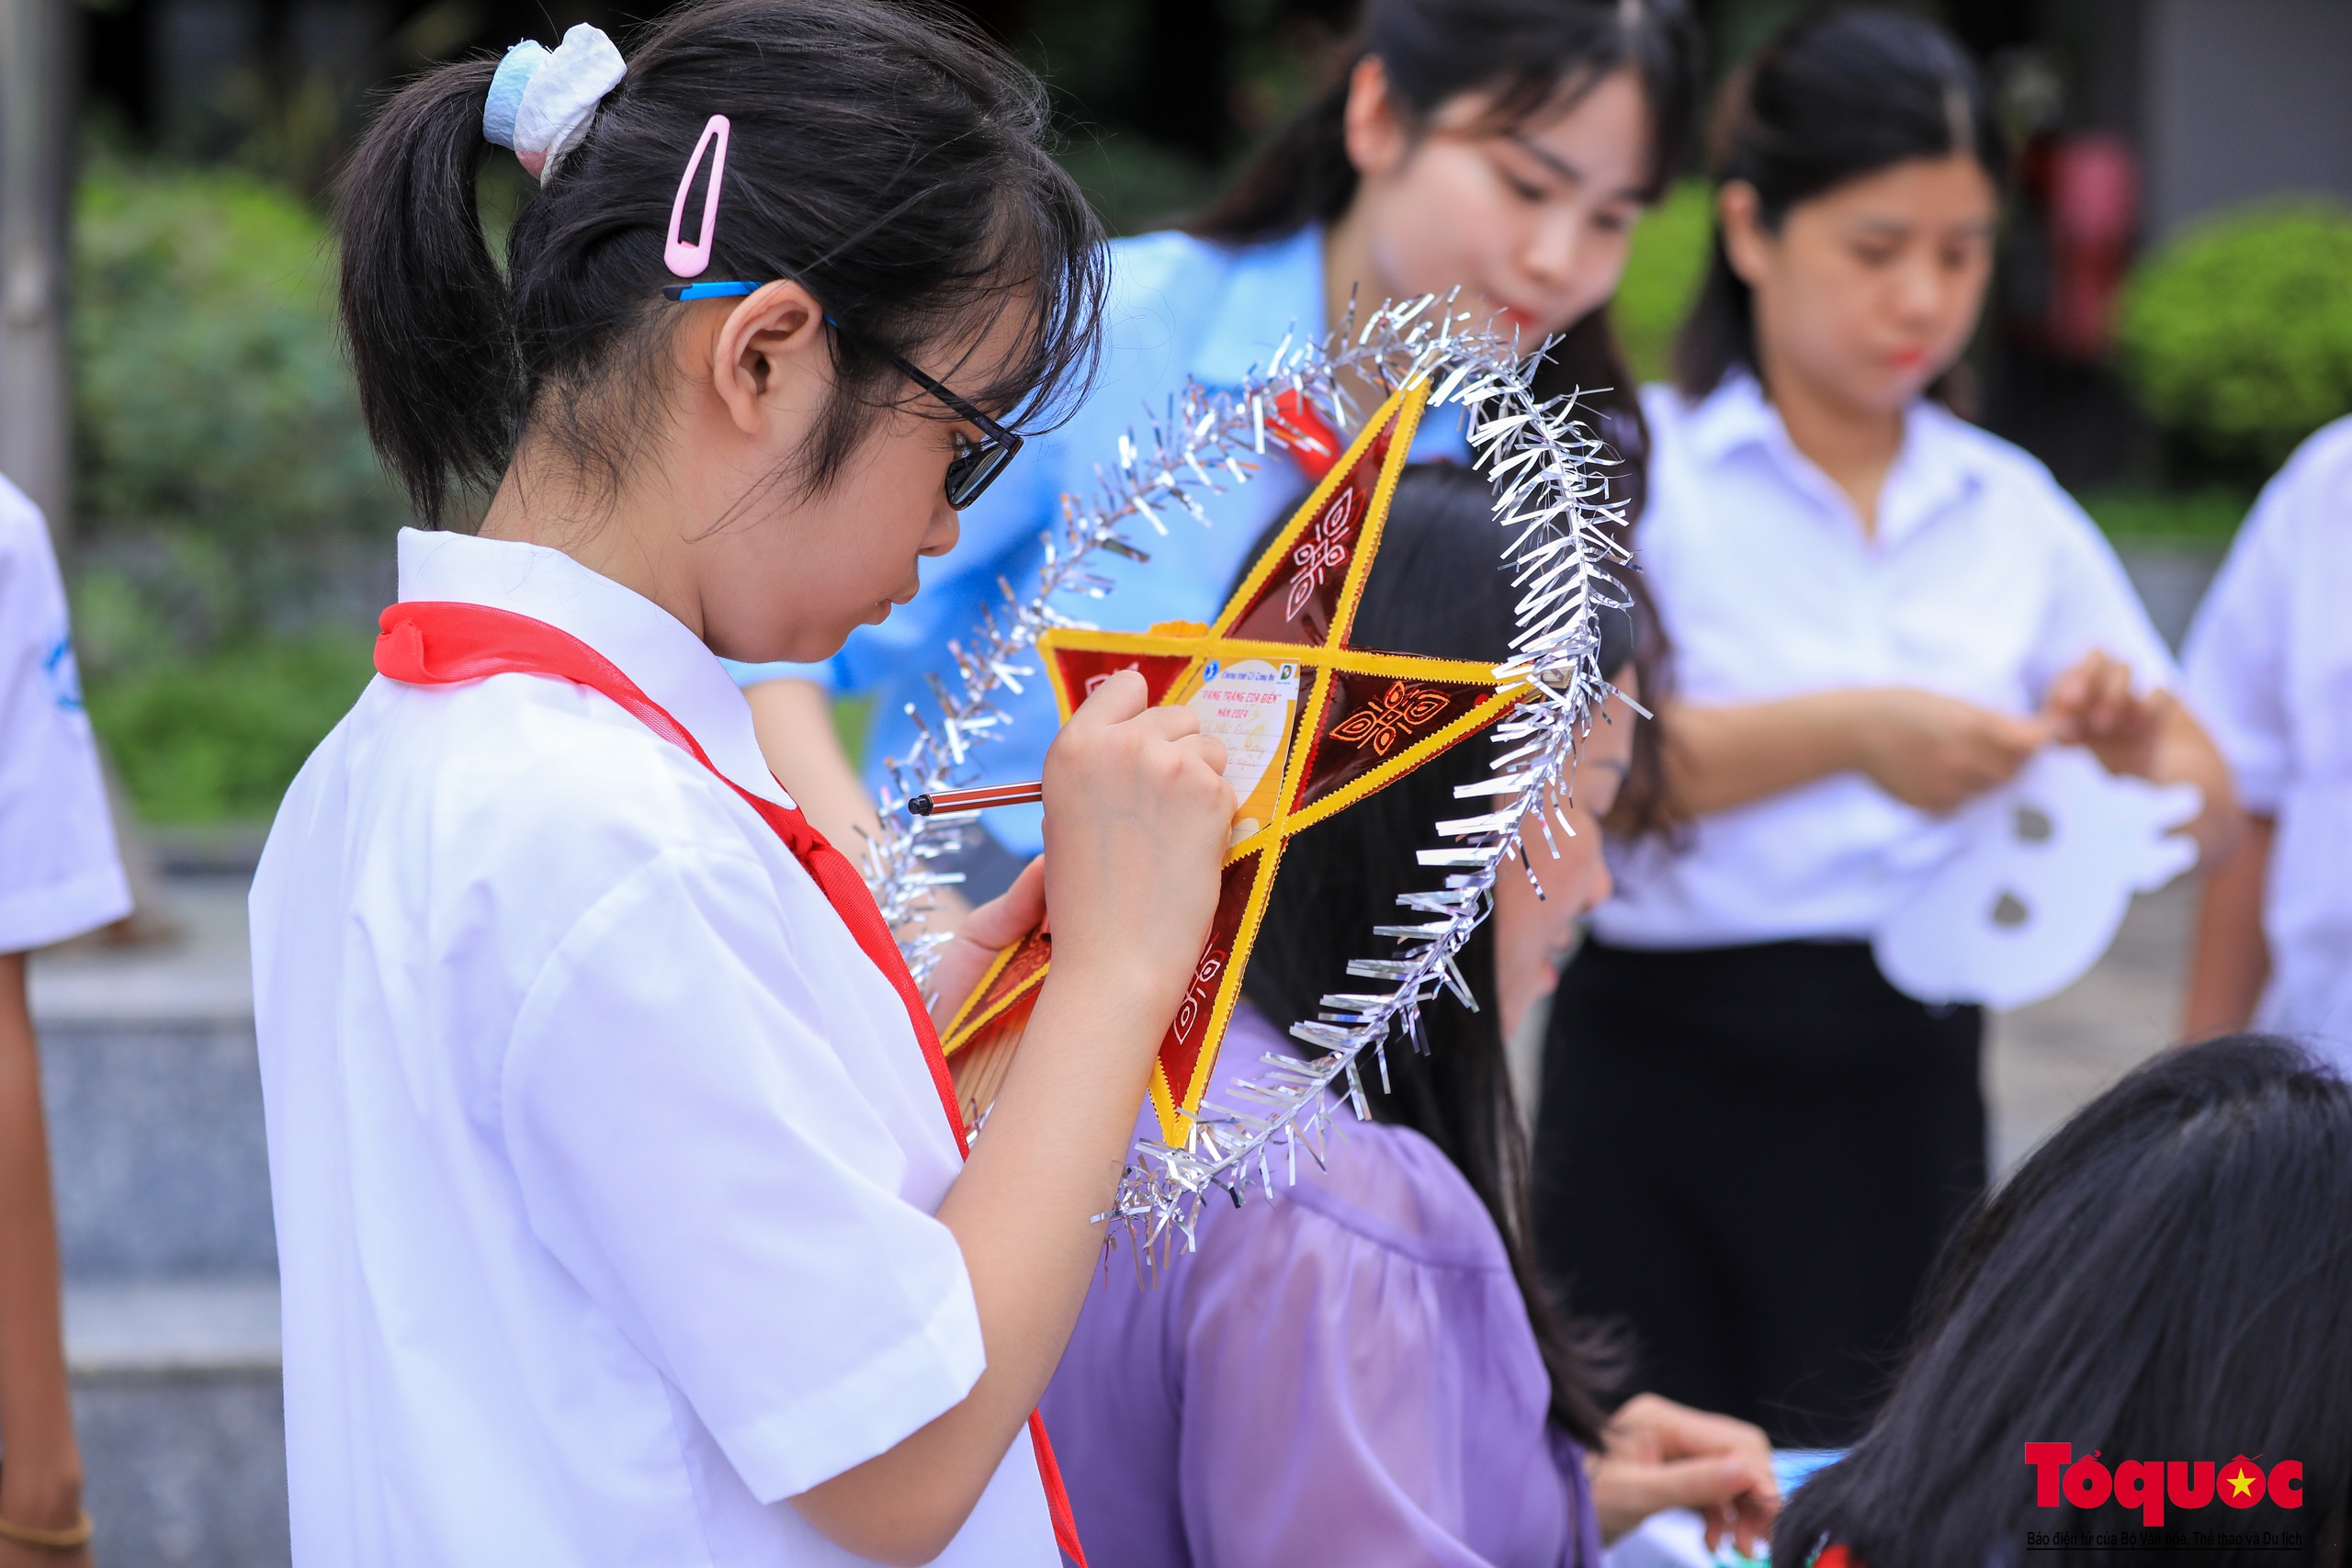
41 1472
1137 818
794 720
2232 959
1926 749
2186 754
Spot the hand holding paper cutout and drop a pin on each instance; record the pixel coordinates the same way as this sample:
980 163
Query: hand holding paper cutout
2040 886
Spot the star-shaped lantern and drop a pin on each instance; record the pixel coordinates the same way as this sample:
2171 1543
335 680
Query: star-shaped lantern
1311 724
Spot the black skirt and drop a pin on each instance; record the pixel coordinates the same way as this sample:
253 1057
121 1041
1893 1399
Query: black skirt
1750 1157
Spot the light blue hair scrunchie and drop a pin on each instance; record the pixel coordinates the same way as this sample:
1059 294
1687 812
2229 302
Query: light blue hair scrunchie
541 100
514 72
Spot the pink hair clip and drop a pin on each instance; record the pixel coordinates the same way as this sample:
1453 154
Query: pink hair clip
694 260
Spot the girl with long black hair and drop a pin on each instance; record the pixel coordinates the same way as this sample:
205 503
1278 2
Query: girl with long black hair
1505 148
1878 612
2157 1295
1365 1368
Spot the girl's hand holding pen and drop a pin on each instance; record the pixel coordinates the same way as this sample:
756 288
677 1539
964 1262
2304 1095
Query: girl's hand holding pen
1021 909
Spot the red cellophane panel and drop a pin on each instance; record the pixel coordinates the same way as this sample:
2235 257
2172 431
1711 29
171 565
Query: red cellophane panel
1083 669
1179 1048
1028 960
1371 719
1296 603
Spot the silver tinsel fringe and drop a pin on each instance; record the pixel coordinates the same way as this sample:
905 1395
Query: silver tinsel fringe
1551 499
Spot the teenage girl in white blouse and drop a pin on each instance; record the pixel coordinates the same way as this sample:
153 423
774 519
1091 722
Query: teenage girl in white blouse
1879 612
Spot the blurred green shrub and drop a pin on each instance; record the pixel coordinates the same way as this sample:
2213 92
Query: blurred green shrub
224 477
2238 334
217 738
2205 518
1670 256
213 404
1137 185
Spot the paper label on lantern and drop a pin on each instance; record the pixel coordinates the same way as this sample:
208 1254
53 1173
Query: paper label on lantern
1250 704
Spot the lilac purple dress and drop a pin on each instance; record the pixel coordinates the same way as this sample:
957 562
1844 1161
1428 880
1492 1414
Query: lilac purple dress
1343 1374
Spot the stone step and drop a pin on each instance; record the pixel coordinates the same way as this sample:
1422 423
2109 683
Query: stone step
156 1144
177 1399
153 1094
194 1325
202 973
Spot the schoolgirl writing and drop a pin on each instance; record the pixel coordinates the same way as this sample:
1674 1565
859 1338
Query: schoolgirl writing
622 1212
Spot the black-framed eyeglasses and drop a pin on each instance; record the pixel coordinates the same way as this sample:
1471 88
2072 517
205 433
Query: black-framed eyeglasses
972 470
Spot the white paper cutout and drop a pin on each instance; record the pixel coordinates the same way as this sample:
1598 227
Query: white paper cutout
2038 889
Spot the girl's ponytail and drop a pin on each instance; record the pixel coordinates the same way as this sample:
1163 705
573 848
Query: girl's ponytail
888 156
425 309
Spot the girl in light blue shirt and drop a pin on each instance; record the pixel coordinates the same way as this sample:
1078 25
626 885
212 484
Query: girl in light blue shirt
1503 147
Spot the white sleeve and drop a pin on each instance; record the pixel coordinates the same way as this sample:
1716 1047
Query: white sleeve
696 1155
2236 657
2092 605
58 874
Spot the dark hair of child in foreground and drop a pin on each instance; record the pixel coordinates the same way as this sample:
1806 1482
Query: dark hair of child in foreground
2166 1283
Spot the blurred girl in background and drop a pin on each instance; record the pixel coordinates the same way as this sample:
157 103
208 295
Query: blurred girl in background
2270 663
1879 611
1505 148
1365 1368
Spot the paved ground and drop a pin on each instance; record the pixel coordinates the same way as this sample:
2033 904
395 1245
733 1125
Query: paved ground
2048 1059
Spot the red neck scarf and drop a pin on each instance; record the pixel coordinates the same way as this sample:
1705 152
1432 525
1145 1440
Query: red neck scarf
1301 429
436 643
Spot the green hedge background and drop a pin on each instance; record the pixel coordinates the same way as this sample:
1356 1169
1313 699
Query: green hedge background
214 526
2238 334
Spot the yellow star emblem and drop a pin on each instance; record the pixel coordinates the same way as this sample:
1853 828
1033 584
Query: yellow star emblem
2240 1483
1312 724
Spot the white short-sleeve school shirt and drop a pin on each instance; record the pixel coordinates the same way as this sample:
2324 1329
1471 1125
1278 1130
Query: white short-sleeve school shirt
605 1161
2269 661
1983 581
59 872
